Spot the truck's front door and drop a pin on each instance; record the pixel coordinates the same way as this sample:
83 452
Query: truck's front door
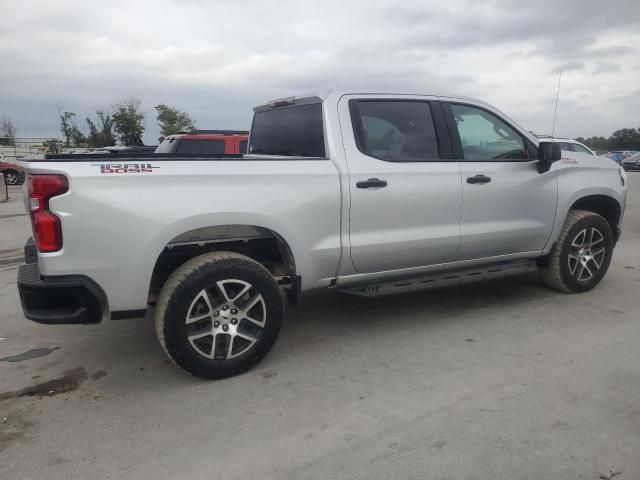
508 207
405 190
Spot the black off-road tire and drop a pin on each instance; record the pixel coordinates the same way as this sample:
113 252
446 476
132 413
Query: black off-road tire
183 286
554 269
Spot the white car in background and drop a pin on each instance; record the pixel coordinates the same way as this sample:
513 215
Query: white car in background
568 145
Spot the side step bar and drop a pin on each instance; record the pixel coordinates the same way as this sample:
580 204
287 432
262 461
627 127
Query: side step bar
442 279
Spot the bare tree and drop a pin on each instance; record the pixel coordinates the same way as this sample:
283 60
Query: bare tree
101 131
7 131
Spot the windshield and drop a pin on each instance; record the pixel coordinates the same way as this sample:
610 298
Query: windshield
290 131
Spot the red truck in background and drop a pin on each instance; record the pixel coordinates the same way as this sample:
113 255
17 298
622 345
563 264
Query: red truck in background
206 141
13 175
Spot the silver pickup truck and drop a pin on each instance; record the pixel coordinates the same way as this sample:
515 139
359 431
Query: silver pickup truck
369 194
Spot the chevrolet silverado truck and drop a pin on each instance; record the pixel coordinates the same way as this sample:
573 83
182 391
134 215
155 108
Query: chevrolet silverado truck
364 193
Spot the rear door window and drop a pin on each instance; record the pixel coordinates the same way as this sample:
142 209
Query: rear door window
290 131
200 146
395 131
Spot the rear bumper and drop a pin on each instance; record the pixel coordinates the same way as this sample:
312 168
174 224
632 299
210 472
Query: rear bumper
68 299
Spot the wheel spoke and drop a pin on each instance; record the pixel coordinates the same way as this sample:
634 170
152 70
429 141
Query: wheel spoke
223 291
579 239
586 267
575 260
246 288
252 303
580 271
201 296
212 354
251 341
197 336
595 255
596 237
230 347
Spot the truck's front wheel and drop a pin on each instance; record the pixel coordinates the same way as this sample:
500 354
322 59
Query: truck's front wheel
581 256
219 314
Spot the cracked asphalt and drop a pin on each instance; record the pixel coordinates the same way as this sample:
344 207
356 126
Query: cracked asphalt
500 380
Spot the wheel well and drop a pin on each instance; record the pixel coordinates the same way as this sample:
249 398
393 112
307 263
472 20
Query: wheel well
603 205
261 244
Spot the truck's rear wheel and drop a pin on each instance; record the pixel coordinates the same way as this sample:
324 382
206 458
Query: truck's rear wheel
219 314
581 256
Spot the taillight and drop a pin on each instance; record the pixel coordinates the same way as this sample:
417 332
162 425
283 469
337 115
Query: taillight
47 230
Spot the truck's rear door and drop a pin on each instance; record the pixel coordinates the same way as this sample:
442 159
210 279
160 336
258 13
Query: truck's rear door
405 189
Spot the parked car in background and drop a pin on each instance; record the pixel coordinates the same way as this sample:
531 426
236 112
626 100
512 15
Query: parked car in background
617 156
206 141
632 162
568 145
13 175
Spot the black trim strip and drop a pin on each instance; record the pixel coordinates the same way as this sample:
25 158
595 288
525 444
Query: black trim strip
124 314
164 157
442 133
456 144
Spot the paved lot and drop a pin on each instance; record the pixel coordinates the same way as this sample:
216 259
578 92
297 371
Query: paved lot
506 380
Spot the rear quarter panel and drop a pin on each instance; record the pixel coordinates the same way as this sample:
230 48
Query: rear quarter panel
115 225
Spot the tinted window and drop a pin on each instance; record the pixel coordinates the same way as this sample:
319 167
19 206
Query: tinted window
581 149
290 131
200 146
166 146
395 131
567 147
243 146
485 137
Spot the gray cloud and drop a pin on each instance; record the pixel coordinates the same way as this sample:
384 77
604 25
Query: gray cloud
217 60
606 67
568 67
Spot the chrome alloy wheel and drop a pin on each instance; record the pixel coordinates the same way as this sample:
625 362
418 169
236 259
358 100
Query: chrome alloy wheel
225 320
587 254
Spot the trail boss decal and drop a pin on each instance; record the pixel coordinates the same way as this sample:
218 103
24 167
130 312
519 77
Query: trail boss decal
124 167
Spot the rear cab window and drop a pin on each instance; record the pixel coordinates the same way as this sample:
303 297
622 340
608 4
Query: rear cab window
295 130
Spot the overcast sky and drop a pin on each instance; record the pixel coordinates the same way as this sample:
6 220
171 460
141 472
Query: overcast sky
216 59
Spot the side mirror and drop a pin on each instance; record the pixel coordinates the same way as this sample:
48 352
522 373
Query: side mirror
548 152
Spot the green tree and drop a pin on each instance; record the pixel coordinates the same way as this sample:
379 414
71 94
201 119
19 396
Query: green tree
128 121
79 139
171 120
625 139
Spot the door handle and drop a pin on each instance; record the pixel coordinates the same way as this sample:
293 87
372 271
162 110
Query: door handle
372 183
481 179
